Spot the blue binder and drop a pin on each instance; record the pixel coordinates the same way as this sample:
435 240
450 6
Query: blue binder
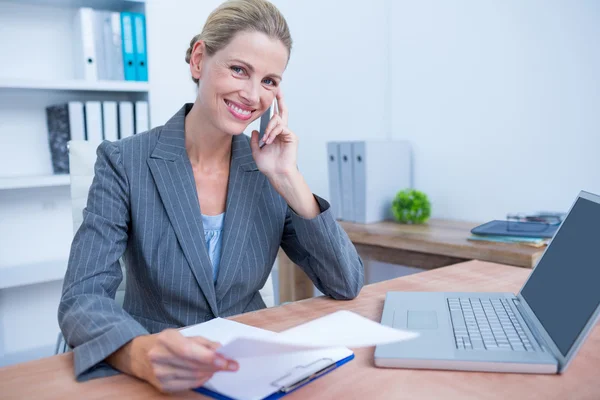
285 390
129 65
141 60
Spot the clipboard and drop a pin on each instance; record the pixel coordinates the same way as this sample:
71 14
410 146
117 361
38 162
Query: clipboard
292 380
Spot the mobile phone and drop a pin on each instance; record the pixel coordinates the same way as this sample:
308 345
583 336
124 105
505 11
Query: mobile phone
264 121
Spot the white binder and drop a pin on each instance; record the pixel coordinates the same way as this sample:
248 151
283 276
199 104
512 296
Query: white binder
126 121
76 120
347 187
113 47
85 47
93 121
142 123
335 183
109 114
381 169
107 42
99 18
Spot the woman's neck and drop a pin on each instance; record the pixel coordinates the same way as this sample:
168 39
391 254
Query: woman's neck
207 147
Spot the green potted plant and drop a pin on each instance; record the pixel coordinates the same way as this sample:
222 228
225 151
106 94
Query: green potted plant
411 206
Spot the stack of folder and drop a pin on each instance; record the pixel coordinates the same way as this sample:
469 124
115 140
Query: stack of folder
534 234
533 242
364 177
110 45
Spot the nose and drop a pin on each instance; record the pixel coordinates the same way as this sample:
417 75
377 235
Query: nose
250 93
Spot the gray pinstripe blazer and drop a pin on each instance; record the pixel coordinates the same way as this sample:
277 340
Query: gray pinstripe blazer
143 206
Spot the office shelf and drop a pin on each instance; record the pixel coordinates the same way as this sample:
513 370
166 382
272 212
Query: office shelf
24 182
75 85
98 4
29 274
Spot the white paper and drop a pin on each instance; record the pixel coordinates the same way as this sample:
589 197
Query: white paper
344 328
340 329
224 330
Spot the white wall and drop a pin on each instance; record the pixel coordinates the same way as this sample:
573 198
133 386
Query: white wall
501 101
334 85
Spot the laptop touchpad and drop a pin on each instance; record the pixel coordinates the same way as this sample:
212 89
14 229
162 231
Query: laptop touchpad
417 319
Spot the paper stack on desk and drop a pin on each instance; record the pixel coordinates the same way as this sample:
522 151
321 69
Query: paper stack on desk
271 364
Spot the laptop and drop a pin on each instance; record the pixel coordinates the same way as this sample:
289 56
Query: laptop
539 330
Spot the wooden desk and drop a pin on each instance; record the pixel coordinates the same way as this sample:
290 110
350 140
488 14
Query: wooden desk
359 379
436 244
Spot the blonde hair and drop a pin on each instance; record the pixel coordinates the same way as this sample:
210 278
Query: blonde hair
234 16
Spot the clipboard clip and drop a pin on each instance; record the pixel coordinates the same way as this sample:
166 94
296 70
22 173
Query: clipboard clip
303 374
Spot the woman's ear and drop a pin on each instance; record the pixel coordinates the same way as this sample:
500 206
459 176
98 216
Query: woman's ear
196 59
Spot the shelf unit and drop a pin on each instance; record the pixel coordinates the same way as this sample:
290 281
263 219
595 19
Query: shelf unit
24 182
35 209
75 85
32 273
122 5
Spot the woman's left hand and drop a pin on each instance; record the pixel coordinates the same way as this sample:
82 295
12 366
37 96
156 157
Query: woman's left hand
278 157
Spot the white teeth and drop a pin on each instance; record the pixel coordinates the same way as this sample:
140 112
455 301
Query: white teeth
238 110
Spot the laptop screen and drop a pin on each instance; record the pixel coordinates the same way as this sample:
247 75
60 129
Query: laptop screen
564 289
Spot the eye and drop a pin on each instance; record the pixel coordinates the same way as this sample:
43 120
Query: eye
238 70
270 82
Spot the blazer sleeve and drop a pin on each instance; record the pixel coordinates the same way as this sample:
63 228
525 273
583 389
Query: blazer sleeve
90 319
324 252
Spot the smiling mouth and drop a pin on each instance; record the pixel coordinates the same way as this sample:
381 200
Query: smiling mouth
239 112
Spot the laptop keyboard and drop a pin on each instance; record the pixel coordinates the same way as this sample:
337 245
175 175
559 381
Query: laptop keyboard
486 324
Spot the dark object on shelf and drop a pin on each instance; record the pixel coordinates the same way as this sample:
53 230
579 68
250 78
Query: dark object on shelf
521 229
59 134
553 218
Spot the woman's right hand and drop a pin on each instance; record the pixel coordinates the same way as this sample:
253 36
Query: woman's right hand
172 362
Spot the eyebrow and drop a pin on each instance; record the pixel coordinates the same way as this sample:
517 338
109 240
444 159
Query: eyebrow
251 68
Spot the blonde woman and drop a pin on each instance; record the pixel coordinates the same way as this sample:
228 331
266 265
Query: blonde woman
198 212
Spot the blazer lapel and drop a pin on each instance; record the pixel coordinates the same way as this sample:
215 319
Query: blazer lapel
174 178
243 191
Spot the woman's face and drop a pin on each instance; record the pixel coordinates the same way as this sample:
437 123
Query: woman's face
239 82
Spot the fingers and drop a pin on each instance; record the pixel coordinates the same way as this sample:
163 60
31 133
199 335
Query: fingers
178 385
255 144
208 343
282 107
163 357
166 373
273 124
181 363
219 361
283 133
190 350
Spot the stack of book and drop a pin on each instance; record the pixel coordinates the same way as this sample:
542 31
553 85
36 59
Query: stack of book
535 230
533 242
